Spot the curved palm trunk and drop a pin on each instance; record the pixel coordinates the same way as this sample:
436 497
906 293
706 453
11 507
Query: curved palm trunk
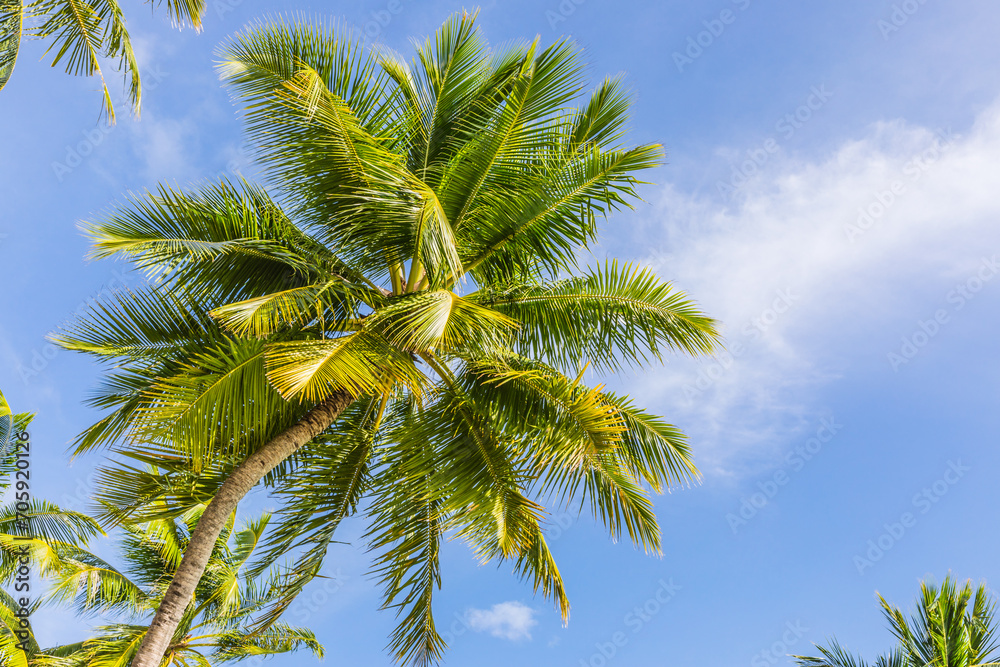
243 478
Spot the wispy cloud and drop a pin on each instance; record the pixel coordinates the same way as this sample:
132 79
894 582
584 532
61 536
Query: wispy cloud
815 261
507 620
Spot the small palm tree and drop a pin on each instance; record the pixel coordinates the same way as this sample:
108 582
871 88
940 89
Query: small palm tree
216 629
83 32
405 332
34 534
952 628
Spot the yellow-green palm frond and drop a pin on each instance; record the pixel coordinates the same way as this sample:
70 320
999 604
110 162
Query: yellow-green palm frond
611 317
11 23
440 320
360 363
82 33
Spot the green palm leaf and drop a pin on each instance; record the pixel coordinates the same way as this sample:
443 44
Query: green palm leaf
85 31
11 17
612 316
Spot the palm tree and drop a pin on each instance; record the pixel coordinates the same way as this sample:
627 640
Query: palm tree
213 632
952 628
405 332
33 533
83 32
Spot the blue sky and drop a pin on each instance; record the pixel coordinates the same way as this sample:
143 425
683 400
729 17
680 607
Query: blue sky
830 196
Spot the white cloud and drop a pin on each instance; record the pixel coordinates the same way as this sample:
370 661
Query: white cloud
507 620
830 243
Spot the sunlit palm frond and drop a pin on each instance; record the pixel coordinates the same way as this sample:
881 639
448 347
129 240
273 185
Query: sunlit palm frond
360 363
226 241
832 656
537 564
440 320
613 316
406 534
83 32
137 325
11 22
185 12
17 642
332 306
219 400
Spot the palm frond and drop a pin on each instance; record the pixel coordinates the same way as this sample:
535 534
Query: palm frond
11 22
360 363
83 32
185 12
330 305
537 564
220 400
407 531
226 241
832 656
612 316
440 320
275 640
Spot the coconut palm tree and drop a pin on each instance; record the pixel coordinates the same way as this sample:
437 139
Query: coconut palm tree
403 329
82 33
952 628
214 631
34 534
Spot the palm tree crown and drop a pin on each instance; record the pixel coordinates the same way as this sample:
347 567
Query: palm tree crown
953 627
37 528
225 602
402 329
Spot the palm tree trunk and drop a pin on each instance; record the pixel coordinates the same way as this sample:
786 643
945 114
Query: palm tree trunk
243 478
